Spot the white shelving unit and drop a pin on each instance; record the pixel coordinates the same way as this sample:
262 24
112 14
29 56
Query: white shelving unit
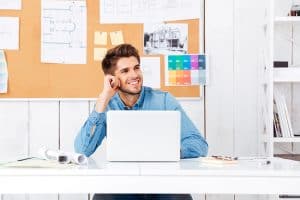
272 76
290 74
292 139
286 19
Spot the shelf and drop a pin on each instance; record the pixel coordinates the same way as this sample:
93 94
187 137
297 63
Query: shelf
291 139
290 74
287 19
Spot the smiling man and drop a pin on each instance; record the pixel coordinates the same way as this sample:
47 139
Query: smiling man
123 90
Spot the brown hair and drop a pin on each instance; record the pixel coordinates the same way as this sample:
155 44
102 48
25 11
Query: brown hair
113 55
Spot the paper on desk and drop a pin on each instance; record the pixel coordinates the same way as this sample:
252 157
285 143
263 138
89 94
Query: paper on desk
151 71
10 4
36 163
100 38
9 33
3 73
63 32
99 53
116 37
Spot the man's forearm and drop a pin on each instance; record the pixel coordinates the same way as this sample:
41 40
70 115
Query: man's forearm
101 104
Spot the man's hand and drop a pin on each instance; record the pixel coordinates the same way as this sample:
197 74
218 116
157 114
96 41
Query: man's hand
110 87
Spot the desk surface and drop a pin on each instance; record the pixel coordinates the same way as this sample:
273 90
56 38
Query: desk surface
187 176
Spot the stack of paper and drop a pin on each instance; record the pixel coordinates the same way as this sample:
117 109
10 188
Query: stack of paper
3 73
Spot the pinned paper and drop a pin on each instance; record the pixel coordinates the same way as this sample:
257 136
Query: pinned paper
10 4
64 32
100 38
9 33
99 53
116 37
151 71
3 73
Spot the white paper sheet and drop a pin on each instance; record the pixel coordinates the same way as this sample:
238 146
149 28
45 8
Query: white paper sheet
9 33
64 32
10 4
151 71
3 73
141 11
37 163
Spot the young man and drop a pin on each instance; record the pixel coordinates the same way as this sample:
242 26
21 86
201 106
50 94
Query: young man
123 90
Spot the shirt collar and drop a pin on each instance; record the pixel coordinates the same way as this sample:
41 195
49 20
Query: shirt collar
138 103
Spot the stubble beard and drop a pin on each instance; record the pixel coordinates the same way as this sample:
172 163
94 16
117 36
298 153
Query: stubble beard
127 92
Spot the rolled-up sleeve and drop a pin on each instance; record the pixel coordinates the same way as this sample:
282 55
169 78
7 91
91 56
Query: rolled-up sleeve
91 134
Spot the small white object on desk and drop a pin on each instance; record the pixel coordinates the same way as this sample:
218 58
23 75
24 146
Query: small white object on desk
62 157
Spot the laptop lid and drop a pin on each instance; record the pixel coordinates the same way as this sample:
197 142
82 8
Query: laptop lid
143 135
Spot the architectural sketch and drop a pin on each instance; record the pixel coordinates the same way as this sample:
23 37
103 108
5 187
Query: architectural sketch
64 32
165 38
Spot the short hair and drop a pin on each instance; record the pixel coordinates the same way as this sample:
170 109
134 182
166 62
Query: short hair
113 55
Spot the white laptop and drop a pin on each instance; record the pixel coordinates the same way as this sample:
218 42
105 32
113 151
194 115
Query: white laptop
143 135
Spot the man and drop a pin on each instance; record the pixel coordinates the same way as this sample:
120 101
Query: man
123 90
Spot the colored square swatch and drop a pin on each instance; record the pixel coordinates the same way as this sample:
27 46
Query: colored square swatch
171 62
201 61
179 63
195 77
186 59
172 77
186 77
179 77
194 62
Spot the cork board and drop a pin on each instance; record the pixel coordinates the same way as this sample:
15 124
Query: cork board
29 78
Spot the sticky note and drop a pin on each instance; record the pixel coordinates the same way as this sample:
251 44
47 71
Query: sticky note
116 37
99 53
100 38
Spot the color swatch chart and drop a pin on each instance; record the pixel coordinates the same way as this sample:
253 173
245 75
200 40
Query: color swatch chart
185 70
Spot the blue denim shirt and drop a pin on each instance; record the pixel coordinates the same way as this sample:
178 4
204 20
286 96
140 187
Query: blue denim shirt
94 129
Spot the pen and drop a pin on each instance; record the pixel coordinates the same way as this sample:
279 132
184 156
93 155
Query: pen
25 159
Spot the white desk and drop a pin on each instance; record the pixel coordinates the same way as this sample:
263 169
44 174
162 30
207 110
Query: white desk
186 176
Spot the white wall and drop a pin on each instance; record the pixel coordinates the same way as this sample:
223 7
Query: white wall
233 40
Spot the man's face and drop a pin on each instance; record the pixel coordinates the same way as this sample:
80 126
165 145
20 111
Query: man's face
129 72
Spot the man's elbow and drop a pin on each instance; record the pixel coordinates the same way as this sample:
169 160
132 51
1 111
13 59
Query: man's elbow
203 150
